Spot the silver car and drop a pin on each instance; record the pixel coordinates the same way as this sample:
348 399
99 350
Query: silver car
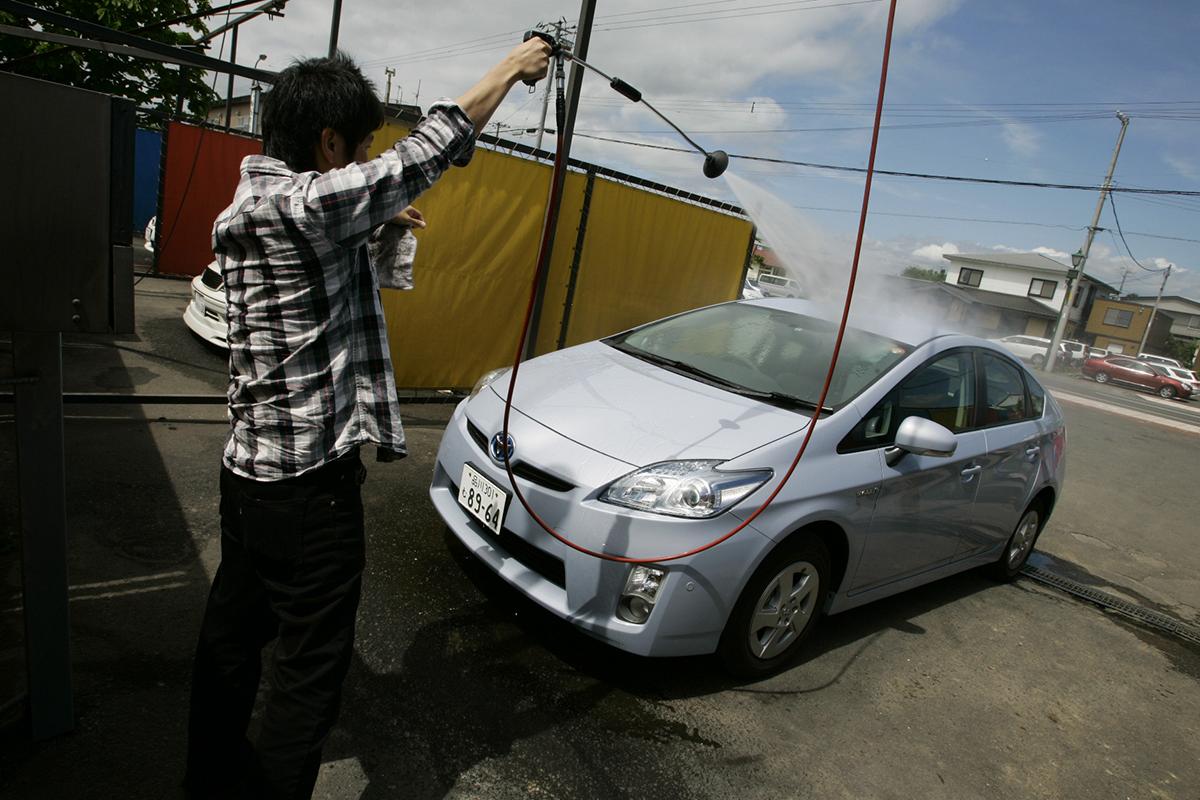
933 457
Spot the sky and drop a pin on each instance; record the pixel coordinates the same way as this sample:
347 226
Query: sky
1017 90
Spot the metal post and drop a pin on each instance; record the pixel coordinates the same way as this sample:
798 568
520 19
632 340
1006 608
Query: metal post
573 280
334 24
1153 311
387 93
546 94
1061 325
41 474
587 12
229 85
255 107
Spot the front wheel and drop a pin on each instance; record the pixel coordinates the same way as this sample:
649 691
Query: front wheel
1167 392
1020 545
777 610
1101 377
1038 360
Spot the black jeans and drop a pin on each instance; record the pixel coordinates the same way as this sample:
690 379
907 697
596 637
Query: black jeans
292 556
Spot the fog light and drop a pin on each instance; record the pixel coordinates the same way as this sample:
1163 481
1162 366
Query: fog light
640 593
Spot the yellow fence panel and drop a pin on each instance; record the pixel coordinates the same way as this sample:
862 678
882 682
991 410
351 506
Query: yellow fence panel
644 256
647 256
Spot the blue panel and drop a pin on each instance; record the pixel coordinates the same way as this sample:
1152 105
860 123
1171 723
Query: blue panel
147 158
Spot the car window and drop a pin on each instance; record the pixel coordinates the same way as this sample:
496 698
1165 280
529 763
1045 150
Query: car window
764 350
942 390
1005 398
1037 397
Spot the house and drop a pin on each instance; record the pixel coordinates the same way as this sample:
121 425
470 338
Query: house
1184 310
770 274
241 115
979 312
1119 325
1042 281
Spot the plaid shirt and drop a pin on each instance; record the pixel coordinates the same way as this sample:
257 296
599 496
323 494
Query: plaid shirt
310 372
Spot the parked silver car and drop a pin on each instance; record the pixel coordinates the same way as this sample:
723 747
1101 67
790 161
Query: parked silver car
934 457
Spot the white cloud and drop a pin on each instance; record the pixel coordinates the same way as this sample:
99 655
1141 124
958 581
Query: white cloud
1187 167
1050 252
934 252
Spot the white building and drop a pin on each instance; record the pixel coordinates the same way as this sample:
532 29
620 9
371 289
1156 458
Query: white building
1031 275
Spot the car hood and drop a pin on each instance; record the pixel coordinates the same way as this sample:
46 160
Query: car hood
639 413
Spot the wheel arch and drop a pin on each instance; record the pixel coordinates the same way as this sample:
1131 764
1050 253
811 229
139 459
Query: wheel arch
836 542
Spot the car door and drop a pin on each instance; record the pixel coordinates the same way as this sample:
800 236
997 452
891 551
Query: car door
1014 444
924 502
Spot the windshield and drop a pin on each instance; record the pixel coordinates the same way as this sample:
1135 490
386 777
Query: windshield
764 351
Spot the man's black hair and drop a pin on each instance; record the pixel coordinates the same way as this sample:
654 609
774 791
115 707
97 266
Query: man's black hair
310 96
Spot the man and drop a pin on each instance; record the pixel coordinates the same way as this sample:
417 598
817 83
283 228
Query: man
310 382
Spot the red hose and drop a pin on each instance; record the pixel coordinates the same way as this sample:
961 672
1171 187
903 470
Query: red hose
556 188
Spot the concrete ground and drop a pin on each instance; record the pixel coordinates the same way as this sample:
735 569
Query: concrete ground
459 688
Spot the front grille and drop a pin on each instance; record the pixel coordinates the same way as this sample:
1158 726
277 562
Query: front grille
527 555
520 468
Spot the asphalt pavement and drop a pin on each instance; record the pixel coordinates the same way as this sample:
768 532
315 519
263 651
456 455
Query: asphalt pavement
460 688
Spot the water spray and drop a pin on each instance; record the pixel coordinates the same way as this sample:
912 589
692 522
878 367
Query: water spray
714 165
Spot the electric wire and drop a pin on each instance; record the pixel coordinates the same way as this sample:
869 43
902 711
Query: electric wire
920 175
1117 220
543 262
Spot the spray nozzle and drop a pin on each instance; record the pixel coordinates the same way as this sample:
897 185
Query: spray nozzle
715 163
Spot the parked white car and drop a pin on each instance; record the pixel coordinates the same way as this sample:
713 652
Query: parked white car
1027 348
750 291
206 312
1186 376
1162 361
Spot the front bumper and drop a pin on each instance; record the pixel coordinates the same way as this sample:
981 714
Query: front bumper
697 593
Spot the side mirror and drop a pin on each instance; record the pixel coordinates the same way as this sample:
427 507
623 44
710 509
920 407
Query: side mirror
922 437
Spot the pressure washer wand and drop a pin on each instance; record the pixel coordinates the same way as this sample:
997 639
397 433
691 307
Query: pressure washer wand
714 162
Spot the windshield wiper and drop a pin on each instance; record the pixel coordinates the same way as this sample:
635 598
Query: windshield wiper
775 398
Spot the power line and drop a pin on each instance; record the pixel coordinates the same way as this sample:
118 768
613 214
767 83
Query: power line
1117 220
922 175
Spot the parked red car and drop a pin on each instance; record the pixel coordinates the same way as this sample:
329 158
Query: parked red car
1139 374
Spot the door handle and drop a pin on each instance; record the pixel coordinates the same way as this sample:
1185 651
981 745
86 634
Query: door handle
969 473
1032 452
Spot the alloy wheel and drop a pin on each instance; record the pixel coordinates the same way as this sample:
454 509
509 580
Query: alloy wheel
784 609
1023 538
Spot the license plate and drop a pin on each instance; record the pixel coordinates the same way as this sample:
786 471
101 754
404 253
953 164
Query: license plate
483 499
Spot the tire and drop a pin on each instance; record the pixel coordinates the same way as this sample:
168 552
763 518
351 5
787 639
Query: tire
764 635
1167 392
1037 359
1020 544
1101 377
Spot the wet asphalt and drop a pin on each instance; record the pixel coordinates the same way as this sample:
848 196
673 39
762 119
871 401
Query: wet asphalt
461 688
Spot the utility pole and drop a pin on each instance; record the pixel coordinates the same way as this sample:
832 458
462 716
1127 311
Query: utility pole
387 94
1153 311
1124 275
583 37
334 24
1080 258
229 85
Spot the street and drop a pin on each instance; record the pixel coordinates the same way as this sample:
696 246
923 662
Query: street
461 688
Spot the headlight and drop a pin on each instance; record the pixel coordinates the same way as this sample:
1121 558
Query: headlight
692 489
487 379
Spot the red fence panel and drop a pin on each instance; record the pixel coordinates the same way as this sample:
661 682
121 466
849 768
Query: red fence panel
201 174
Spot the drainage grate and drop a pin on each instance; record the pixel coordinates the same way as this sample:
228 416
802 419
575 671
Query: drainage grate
1154 619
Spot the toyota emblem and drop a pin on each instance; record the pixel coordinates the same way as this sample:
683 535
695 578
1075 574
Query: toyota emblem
501 447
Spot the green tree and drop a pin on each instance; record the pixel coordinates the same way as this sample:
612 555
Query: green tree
1182 350
153 86
925 274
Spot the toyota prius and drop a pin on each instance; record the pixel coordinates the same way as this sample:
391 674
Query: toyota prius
929 458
